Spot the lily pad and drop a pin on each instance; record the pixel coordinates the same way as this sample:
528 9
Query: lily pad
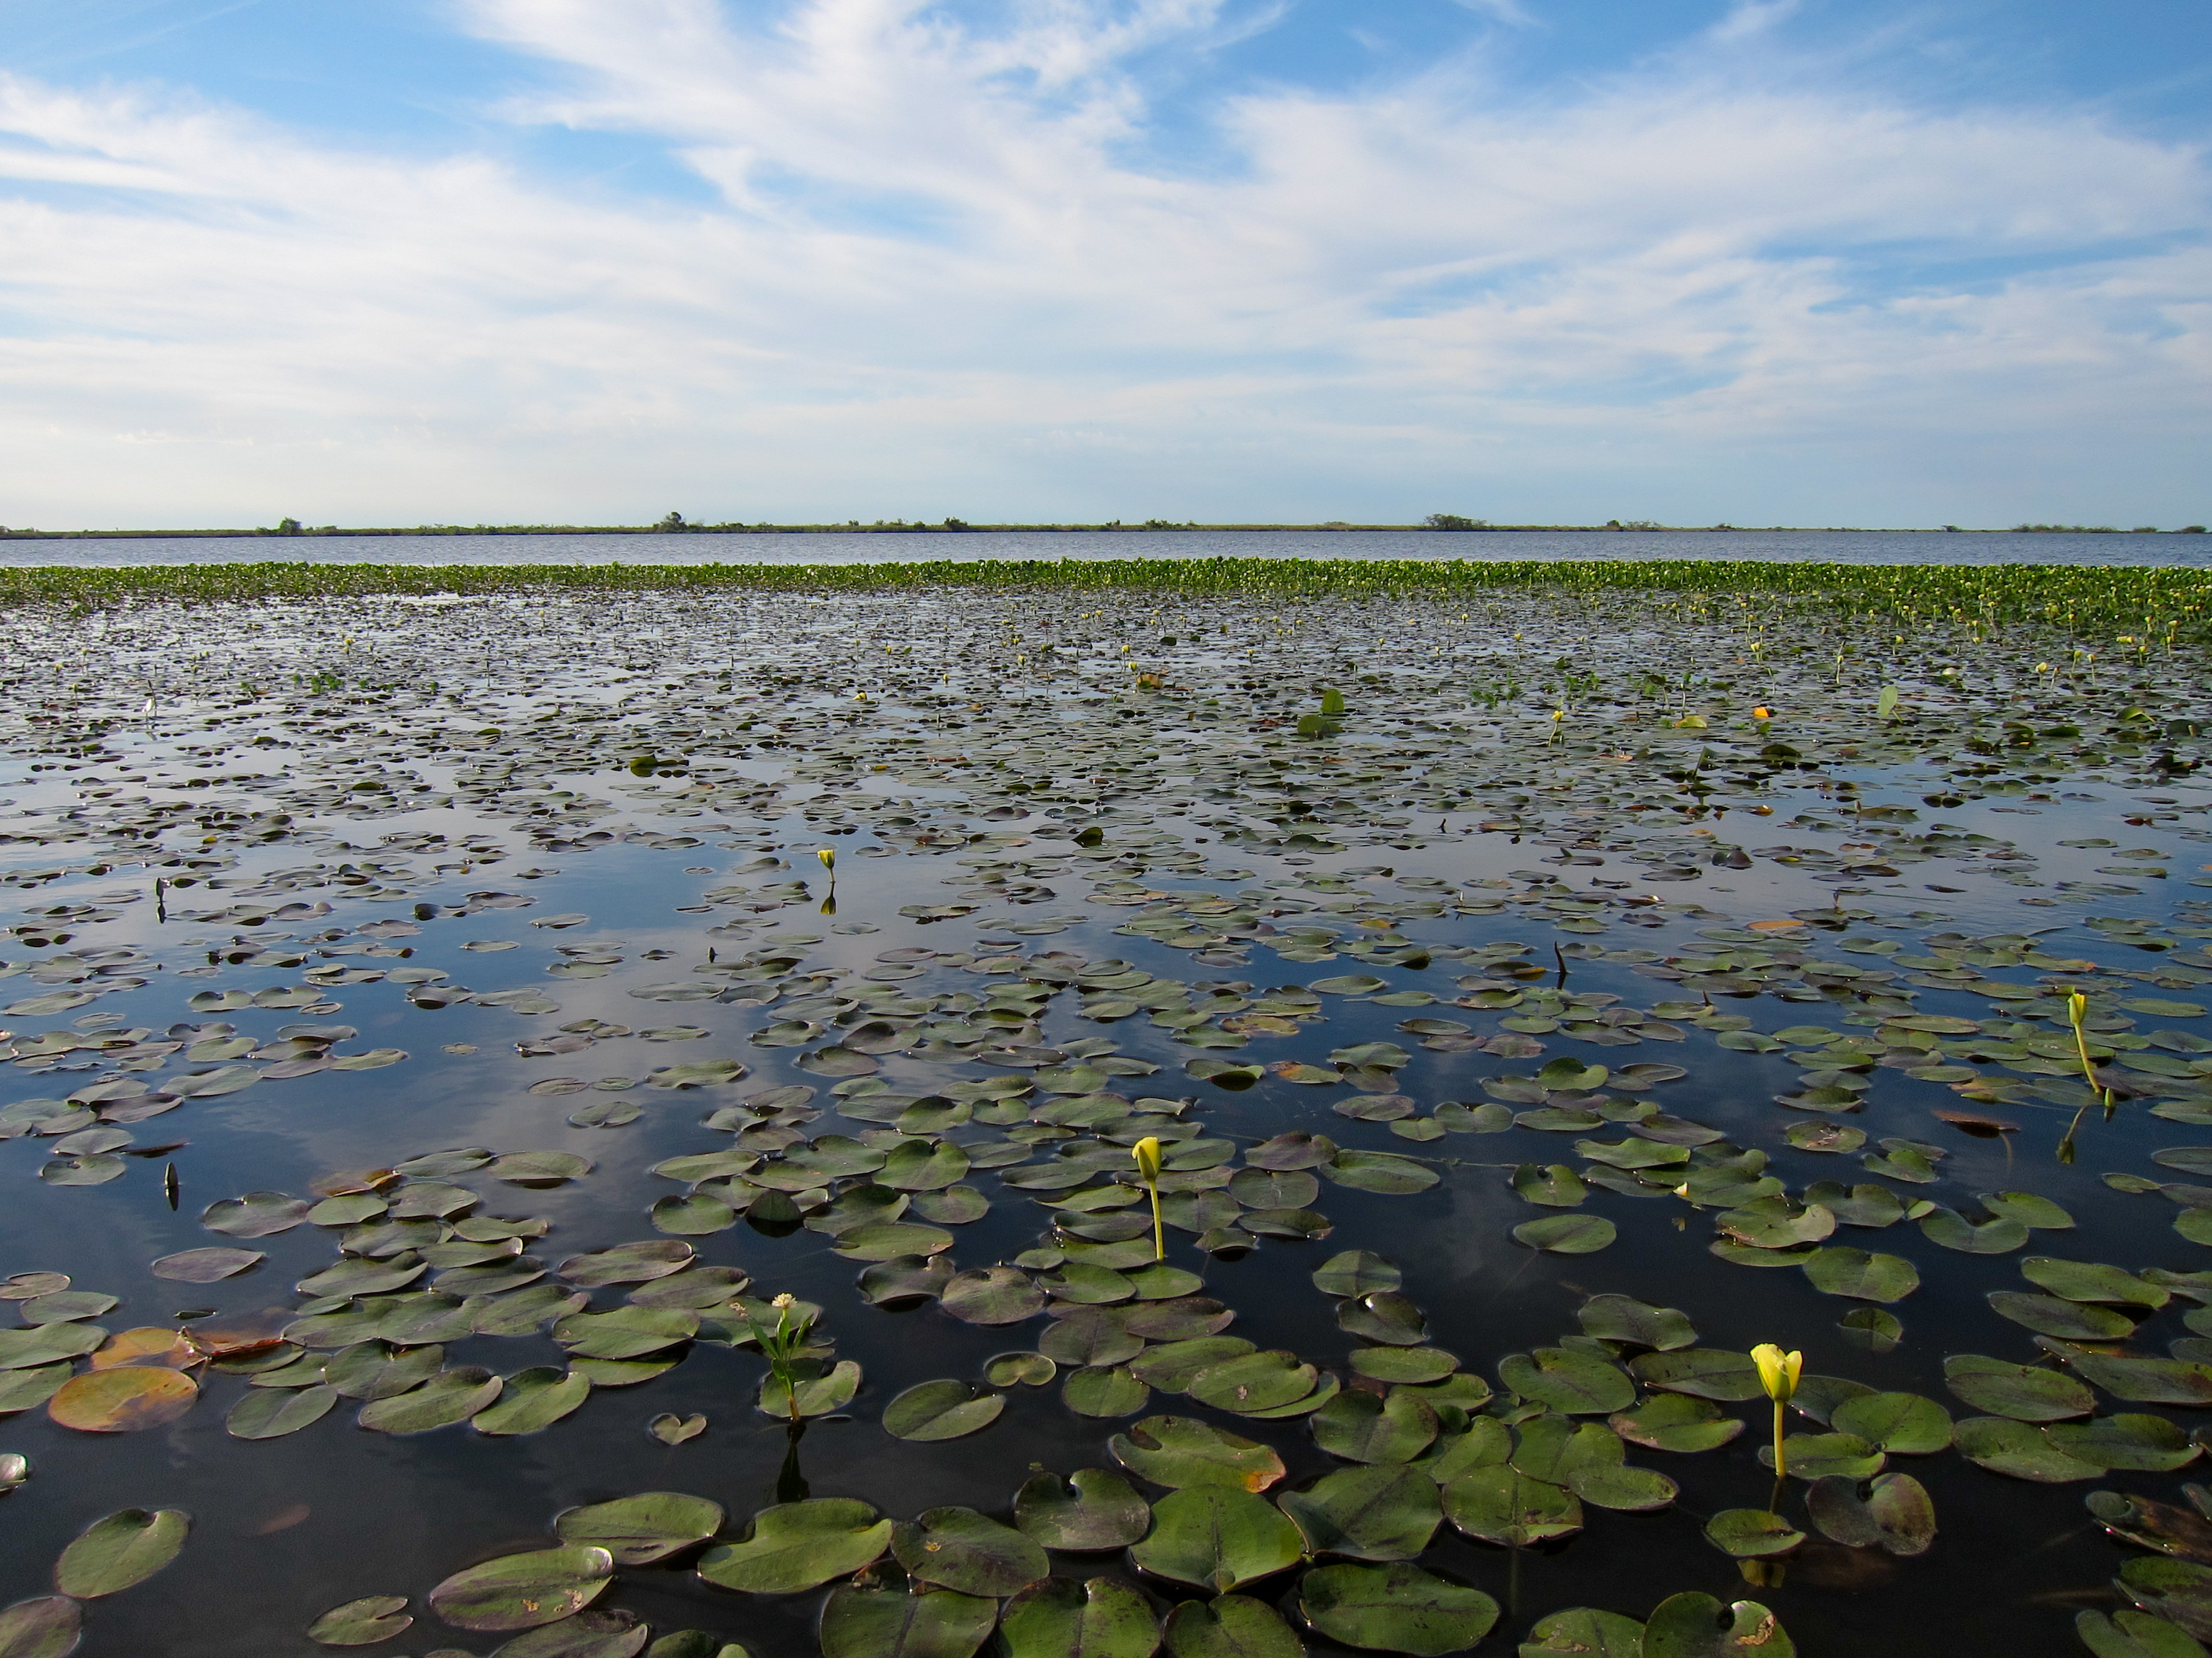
960 1549
941 1409
533 1400
2021 1391
1567 1235
1360 1427
1751 1533
1229 1626
884 1623
125 1400
1693 1625
450 1397
48 1626
1567 1380
1180 1452
363 1623
796 1546
2020 1449
638 1530
1841 1270
1500 1504
1386 1512
272 1414
1218 1537
120 1552
992 1295
206 1265
1099 1619
1395 1608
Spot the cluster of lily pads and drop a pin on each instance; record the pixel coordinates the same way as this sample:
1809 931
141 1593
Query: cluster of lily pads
1190 793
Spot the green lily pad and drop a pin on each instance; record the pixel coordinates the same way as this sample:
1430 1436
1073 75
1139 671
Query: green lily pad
1554 1185
629 1331
1104 1390
1384 1512
1840 1270
533 1400
522 1591
450 1397
1218 1537
1584 1629
827 1389
256 1215
1172 1366
2020 1449
48 1626
1567 1235
2132 1634
2036 1213
1953 1230
1624 1319
627 1263
1403 1365
1230 1626
1897 1516
122 1550
1019 1369
1693 1625
795 1546
1500 1504
271 1413
1378 1171
1751 1533
887 1623
2093 1281
889 1240
1676 1422
2021 1391
992 1295
1253 1381
1565 1379
1904 1424
1385 1316
2130 1440
1091 1510
1814 1457
699 1215
1099 1619
638 1530
1360 1427
2143 1380
2072 1320
957 1548
1703 1372
941 1409
1395 1608
363 1623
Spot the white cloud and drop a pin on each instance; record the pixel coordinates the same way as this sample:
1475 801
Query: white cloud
936 284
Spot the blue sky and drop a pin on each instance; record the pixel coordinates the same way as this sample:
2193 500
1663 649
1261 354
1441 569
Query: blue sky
400 261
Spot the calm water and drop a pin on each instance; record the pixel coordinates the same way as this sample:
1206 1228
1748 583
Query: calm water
426 762
1840 546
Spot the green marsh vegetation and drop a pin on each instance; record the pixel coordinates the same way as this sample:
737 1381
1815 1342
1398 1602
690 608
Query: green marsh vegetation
1187 1191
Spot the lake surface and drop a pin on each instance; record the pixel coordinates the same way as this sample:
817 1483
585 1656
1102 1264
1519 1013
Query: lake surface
1840 546
1591 961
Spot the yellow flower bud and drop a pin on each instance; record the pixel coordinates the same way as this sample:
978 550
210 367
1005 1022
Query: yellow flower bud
828 857
1146 1151
1778 1371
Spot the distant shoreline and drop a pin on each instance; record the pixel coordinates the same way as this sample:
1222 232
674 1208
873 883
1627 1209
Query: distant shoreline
957 526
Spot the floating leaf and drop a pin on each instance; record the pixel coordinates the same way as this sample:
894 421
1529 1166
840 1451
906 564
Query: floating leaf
206 1265
1840 1270
1216 1536
1378 1171
1695 1625
1624 1319
363 1623
1751 1533
2018 1448
1898 1517
2130 1440
1101 1390
798 1545
272 1414
125 1400
1567 1380
941 1409
1676 1422
256 1215
1904 1423
1583 1630
47 1627
1567 1235
1500 1504
1099 1619
1360 1427
124 1549
1180 1452
1383 1512
1395 1608
992 1295
881 1623
2024 1392
450 1397
1091 1510
963 1550
2091 1281
638 1530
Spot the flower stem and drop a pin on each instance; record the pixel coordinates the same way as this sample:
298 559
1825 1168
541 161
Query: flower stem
1781 1462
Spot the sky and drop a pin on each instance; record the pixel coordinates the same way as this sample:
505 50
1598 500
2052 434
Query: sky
1804 262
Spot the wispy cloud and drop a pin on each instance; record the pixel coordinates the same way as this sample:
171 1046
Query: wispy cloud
933 283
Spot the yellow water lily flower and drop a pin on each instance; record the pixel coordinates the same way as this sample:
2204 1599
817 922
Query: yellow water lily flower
1778 1371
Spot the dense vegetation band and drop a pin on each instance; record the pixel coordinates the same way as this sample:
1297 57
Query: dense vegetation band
2153 604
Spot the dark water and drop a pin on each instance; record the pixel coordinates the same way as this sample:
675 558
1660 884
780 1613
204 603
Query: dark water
1839 546
284 1528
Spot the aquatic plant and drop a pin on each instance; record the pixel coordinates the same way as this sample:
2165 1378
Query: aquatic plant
1146 1151
1777 1376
